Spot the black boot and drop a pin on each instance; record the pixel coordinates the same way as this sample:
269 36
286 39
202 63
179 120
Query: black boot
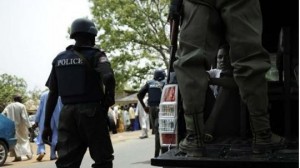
193 144
265 141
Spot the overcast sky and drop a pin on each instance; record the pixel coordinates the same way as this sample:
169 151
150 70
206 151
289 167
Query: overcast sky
32 33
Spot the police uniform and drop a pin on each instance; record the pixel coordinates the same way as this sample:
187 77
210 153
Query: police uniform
154 89
204 24
83 119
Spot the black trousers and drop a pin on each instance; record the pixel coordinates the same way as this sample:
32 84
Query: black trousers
83 126
154 110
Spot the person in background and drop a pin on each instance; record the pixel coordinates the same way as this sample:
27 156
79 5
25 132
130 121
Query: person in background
154 89
17 112
112 121
222 93
39 122
115 116
126 118
82 76
131 112
120 121
143 119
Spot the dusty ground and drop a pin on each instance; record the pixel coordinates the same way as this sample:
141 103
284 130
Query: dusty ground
116 138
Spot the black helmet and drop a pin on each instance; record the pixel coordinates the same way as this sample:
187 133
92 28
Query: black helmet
82 25
159 74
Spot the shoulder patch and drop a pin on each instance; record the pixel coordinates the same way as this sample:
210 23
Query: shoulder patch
103 59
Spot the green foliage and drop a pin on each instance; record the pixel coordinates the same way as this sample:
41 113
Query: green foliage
134 35
33 100
9 86
35 94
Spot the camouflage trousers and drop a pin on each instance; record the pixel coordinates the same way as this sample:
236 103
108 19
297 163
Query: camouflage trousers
207 24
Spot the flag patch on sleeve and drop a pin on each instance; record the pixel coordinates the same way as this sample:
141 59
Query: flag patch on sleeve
103 59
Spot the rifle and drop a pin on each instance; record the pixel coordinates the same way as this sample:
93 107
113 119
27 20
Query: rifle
174 19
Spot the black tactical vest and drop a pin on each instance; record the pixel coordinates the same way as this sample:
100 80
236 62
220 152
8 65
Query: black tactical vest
154 92
77 81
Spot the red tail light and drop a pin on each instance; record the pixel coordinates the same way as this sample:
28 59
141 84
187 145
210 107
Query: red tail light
168 115
167 139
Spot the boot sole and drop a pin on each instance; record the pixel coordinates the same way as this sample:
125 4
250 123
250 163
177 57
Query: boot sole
259 149
192 152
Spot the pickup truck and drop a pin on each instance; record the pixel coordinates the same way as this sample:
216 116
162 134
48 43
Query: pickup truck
232 146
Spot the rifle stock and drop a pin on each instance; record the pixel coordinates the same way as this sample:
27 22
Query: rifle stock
174 28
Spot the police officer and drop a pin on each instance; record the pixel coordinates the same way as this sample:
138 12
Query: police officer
154 89
204 24
79 75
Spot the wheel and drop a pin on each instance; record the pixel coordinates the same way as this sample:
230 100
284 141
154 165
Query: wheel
3 152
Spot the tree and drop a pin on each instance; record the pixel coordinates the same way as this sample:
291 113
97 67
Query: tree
33 100
134 35
9 86
35 94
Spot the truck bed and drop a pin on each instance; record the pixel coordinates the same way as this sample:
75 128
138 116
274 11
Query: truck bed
230 156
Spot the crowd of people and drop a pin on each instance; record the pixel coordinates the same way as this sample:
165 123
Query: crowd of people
129 117
16 111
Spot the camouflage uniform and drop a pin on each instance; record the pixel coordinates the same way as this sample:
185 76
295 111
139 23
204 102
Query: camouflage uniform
205 24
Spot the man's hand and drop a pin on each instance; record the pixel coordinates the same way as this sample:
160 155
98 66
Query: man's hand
35 125
47 135
147 110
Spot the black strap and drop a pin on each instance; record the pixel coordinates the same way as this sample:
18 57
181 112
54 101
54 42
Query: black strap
83 59
90 67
